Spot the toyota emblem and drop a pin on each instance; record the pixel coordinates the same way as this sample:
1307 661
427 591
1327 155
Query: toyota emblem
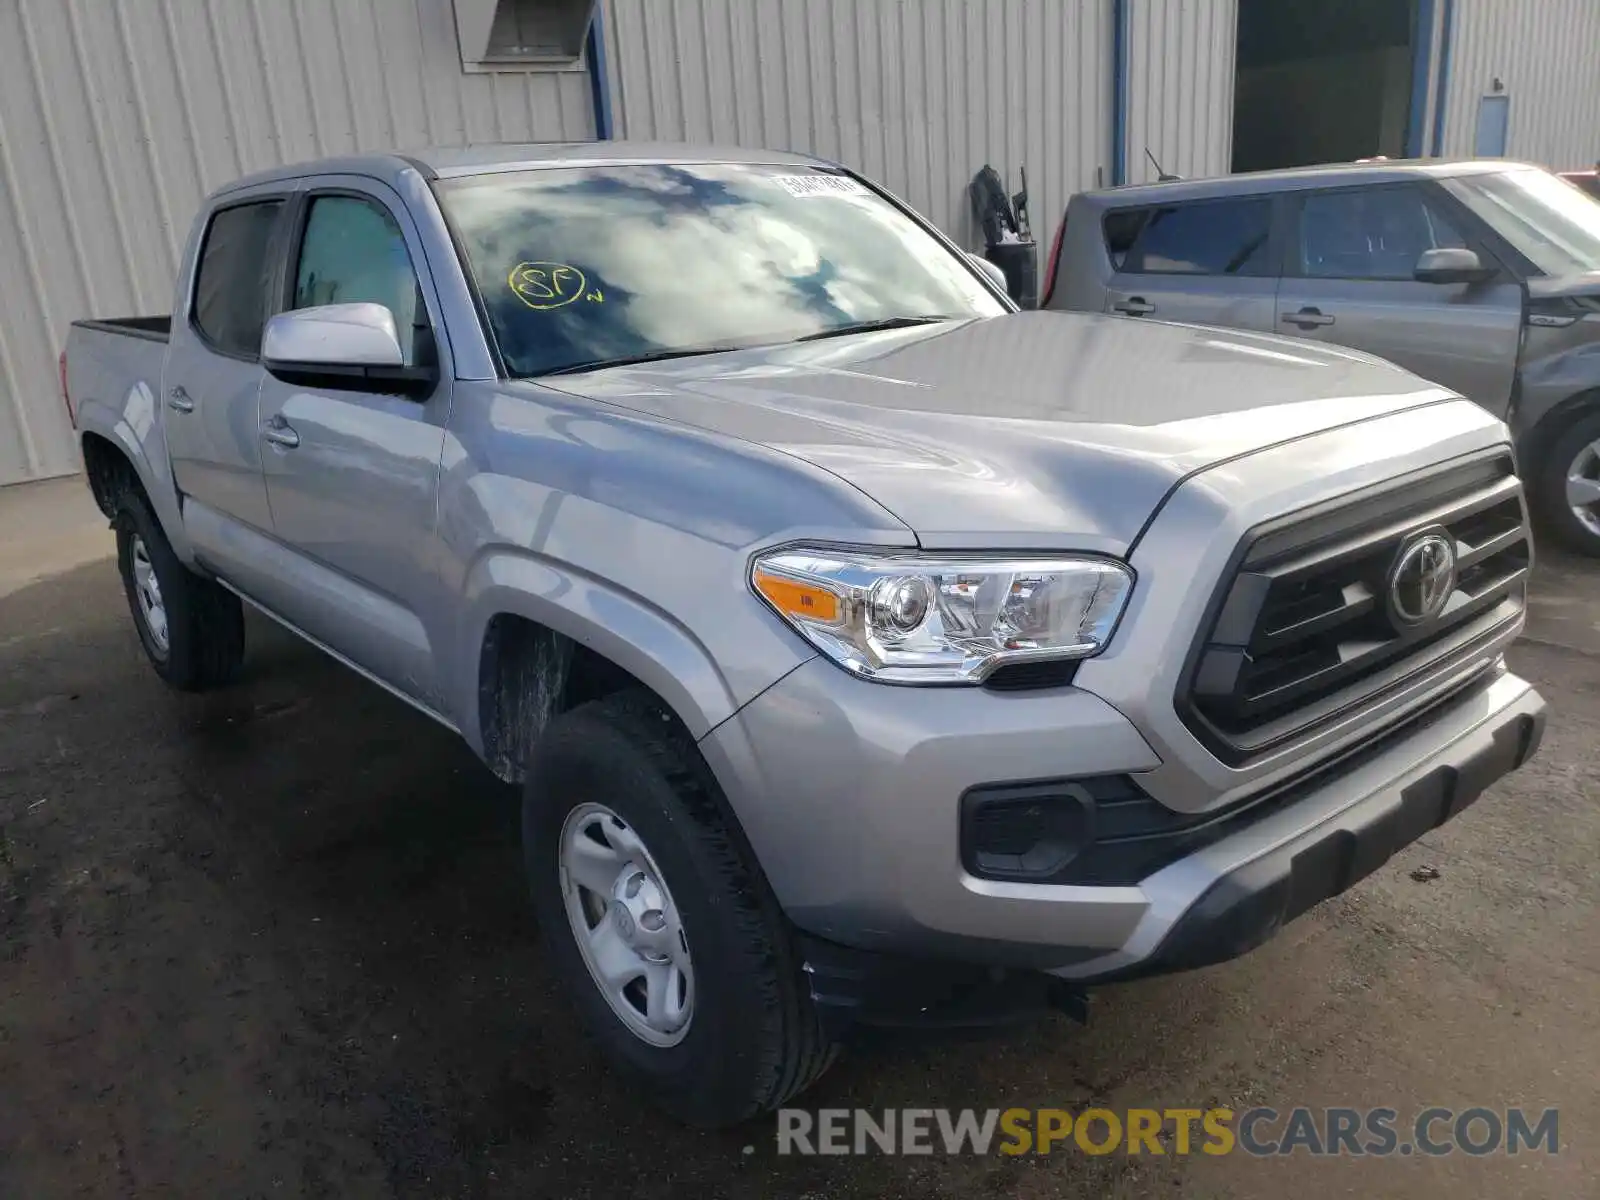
1423 578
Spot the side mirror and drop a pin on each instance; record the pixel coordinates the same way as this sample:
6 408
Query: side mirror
1452 265
342 346
993 273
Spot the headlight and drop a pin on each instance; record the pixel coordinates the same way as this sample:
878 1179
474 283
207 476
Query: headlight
950 619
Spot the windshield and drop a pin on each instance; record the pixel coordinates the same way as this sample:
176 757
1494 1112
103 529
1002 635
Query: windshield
585 266
1552 223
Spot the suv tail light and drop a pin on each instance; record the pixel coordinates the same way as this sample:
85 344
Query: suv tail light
1050 263
66 396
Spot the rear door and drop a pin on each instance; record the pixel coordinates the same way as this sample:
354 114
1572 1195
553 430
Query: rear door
353 476
1348 279
213 370
1211 262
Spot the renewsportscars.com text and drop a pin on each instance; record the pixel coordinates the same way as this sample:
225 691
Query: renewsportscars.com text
1319 1132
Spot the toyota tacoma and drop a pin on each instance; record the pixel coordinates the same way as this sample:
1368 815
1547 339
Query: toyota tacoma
868 652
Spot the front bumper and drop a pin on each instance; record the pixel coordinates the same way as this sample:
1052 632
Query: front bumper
849 794
1250 903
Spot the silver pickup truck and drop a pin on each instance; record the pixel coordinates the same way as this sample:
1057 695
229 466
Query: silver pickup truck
869 652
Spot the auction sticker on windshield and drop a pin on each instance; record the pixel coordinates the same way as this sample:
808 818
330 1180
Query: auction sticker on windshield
821 185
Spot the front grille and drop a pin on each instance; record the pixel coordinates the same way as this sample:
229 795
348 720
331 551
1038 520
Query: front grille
1304 630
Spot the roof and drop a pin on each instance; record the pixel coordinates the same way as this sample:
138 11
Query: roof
1299 178
448 162
476 160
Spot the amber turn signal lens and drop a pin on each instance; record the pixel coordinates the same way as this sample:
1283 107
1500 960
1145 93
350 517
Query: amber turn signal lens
796 599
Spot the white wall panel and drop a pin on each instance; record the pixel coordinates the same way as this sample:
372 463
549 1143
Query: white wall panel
1180 86
117 118
1546 53
917 94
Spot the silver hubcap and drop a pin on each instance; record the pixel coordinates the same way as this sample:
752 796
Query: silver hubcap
148 588
626 925
1583 487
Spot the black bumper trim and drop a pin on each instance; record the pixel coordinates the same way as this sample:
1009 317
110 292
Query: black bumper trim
857 989
1248 906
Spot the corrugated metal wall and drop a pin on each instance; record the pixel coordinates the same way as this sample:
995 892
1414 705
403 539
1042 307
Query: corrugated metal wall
117 118
917 94
1547 54
1180 86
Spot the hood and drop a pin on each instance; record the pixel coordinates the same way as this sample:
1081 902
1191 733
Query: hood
1037 430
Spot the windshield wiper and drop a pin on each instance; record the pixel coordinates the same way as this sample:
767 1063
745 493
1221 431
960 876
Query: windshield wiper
872 326
634 359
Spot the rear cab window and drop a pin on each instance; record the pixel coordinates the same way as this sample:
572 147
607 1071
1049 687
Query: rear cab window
229 306
1202 237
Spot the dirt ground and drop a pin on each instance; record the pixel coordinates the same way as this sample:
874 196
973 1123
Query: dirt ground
273 942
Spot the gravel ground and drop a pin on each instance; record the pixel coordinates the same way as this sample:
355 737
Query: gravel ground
273 942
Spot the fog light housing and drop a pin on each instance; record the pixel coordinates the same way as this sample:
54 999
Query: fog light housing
1024 831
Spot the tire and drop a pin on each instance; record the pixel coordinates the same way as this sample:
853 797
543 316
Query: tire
1577 449
752 1039
200 643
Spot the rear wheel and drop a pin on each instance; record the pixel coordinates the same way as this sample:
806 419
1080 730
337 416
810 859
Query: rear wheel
1569 485
192 628
659 922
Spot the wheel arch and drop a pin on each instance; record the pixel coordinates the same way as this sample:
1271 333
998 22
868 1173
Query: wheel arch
1555 421
540 639
115 455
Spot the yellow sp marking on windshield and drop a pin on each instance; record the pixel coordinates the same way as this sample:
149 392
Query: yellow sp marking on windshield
546 285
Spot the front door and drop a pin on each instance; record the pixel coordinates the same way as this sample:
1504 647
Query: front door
1349 280
352 477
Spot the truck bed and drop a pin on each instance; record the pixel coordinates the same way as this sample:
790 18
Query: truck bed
113 375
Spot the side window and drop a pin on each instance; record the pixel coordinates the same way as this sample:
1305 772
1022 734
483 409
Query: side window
1375 234
354 252
1122 230
230 290
1212 237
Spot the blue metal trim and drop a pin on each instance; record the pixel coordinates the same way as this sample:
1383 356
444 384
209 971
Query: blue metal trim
1441 89
594 52
1421 61
1119 92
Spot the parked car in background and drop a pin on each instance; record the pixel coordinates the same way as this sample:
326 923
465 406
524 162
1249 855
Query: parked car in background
1481 276
868 652
1588 181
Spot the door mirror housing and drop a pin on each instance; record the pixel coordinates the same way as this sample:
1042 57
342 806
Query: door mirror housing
1452 264
990 272
353 347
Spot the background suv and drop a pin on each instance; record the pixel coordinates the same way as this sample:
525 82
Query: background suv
1482 276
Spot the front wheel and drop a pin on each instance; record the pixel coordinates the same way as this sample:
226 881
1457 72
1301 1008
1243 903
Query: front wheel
660 924
1569 485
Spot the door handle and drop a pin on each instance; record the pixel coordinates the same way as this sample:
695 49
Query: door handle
1308 318
1133 306
280 433
178 400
